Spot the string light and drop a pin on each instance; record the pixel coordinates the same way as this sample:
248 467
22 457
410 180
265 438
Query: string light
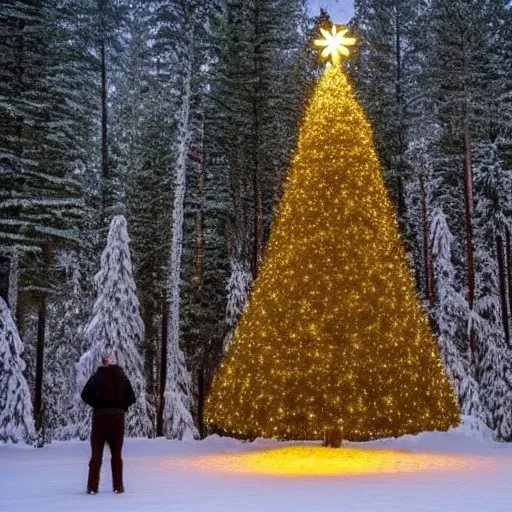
334 335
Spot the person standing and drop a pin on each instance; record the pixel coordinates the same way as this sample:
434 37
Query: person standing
110 394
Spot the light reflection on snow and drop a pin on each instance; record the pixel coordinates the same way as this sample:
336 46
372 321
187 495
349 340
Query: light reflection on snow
314 461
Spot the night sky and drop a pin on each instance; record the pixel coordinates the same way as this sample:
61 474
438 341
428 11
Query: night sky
340 10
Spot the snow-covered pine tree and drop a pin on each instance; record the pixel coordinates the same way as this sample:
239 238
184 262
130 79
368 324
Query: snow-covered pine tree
16 420
493 187
495 374
449 314
238 289
494 369
205 263
47 141
68 312
178 397
260 44
116 323
386 74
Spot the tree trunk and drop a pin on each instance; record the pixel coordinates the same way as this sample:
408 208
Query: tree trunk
468 198
14 276
150 351
399 105
38 393
468 195
200 403
256 185
163 371
104 106
201 183
5 267
503 287
333 437
508 250
427 252
41 338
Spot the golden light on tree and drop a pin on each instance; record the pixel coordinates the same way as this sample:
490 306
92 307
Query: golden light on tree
335 44
334 335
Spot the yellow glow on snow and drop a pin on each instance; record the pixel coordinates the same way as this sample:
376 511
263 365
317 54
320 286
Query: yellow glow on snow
315 461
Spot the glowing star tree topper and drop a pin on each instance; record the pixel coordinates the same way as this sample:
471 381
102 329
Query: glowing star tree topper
335 44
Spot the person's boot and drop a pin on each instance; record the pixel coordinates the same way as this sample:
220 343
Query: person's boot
93 480
117 475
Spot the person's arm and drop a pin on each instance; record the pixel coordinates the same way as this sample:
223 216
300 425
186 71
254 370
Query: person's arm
89 392
129 396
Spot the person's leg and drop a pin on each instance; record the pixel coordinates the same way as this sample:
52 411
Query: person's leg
97 443
115 440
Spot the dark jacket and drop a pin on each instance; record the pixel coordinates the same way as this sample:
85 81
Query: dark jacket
108 390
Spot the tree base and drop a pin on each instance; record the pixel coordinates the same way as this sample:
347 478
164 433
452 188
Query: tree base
332 437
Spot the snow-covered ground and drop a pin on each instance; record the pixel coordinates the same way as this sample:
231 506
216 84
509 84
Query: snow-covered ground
455 471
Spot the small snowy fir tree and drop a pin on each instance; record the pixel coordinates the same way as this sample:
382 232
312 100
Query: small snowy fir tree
496 379
116 323
494 354
68 312
238 289
16 416
450 311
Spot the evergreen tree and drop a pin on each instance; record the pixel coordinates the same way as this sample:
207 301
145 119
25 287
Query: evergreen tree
47 145
16 421
450 310
261 45
116 324
68 312
143 132
177 399
334 335
390 34
238 288
47 125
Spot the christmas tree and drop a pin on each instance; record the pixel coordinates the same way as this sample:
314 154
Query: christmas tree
334 335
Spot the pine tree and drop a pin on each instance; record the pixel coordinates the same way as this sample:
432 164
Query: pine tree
449 313
238 288
16 421
47 143
177 398
260 46
116 324
68 312
334 335
390 33
46 126
205 266
496 381
145 131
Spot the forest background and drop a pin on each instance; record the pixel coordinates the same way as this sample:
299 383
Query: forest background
182 117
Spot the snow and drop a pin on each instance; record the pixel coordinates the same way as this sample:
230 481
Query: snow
190 476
